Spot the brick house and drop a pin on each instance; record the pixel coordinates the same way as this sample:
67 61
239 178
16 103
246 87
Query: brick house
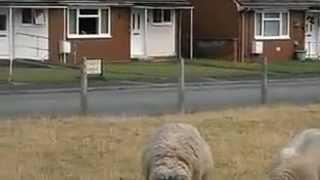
63 31
231 28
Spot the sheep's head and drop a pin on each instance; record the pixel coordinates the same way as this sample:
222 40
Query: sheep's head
294 170
284 175
164 173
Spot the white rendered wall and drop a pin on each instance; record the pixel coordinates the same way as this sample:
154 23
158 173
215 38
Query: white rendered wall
31 41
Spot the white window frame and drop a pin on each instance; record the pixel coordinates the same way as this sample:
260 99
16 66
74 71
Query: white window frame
263 19
162 23
99 35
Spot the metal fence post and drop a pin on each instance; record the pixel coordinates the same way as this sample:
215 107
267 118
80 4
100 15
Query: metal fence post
181 89
84 87
11 45
264 81
181 99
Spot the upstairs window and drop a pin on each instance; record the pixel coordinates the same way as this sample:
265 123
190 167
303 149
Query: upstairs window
272 25
161 16
89 22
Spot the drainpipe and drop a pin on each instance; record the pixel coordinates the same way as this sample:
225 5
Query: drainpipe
191 33
64 33
145 32
11 45
180 34
242 36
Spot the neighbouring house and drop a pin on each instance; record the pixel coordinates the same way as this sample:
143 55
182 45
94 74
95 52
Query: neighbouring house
234 29
64 31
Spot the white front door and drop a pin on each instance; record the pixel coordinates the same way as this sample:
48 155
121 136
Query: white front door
4 34
311 35
137 33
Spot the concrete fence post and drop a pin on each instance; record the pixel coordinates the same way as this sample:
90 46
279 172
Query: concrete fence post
264 81
84 87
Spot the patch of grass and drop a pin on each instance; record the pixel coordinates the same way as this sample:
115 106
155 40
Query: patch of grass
135 71
165 71
161 72
40 75
296 67
243 142
289 67
250 66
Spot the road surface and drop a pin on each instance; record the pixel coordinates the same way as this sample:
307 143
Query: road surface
161 100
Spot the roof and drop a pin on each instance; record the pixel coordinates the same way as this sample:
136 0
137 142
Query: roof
95 2
280 3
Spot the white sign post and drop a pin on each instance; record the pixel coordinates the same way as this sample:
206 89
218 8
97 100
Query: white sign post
88 67
94 66
257 49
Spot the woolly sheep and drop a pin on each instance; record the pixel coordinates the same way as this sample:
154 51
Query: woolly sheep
177 152
300 159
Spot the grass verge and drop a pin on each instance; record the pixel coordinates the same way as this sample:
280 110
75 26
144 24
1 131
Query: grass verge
197 70
243 142
286 67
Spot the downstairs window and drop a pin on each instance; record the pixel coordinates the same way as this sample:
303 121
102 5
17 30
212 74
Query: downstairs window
89 23
272 25
161 16
33 16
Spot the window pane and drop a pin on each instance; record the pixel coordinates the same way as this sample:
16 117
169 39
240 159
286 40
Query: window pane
258 24
73 21
133 21
167 15
285 24
3 22
26 16
88 26
157 16
272 28
104 21
88 11
272 15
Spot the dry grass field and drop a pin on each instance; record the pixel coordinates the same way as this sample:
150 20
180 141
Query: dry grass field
243 142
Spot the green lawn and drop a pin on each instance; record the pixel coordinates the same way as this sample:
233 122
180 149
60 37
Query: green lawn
289 67
161 72
40 75
169 71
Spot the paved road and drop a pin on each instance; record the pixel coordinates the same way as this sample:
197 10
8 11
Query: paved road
161 100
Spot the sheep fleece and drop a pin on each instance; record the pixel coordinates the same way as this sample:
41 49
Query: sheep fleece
177 150
300 159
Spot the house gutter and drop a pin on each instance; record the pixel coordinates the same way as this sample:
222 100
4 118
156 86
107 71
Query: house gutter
163 7
293 6
61 5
